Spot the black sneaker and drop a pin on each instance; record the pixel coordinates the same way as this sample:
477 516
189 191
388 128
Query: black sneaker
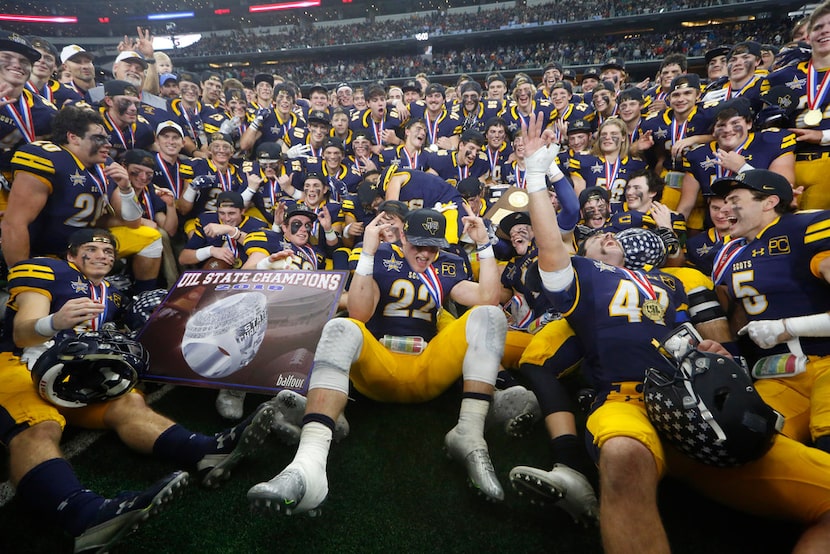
119 516
234 445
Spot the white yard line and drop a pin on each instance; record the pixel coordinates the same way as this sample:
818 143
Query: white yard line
79 444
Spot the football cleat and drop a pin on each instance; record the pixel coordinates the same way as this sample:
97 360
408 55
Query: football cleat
230 404
119 516
233 445
292 491
291 405
514 409
562 487
472 451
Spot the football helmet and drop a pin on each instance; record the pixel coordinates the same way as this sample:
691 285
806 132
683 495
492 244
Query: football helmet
90 367
706 406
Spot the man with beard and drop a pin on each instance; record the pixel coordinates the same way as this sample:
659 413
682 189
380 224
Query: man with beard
410 154
472 110
380 120
370 349
126 127
72 183
41 81
467 161
79 64
442 125
736 148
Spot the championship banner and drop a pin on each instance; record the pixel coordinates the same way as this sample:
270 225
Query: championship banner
254 331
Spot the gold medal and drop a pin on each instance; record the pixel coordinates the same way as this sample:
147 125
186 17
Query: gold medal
653 310
812 118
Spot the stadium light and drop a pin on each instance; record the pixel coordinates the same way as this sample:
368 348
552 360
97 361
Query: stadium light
174 15
284 6
38 18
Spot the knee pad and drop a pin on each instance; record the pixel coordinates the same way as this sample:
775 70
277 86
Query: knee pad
152 250
486 330
339 347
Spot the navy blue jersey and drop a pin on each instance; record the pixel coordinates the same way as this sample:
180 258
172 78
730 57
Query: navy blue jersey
599 172
425 190
760 150
22 122
136 135
445 163
477 118
77 195
794 77
773 276
666 131
446 124
627 219
266 241
59 281
702 248
496 159
514 277
406 306
173 176
401 157
199 239
604 306
515 118
57 93
362 121
229 179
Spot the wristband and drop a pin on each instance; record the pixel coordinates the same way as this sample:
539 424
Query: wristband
254 125
535 182
331 235
486 252
816 325
203 253
365 264
130 208
248 195
45 327
480 247
745 167
825 137
297 194
237 233
346 230
190 195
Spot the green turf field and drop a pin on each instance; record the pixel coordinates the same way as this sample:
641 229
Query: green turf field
391 490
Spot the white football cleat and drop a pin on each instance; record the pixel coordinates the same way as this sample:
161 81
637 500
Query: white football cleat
292 407
562 486
295 490
472 451
230 404
514 409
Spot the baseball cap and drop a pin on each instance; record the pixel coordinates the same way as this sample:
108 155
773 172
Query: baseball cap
342 86
220 136
426 227
394 207
165 125
286 88
269 151
263 78
591 193
563 84
367 191
687 80
299 209
579 126
568 75
138 156
740 104
770 48
90 234
512 219
334 142
613 63
746 47
414 86
167 77
230 197
318 87
469 187
591 72
133 56
235 94
73 50
631 93
470 86
435 87
42 43
117 88
189 77
713 53
211 76
762 180
553 65
318 116
17 43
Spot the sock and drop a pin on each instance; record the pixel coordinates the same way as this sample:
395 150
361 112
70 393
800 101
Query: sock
144 285
568 450
473 413
505 380
315 441
52 490
182 446
823 443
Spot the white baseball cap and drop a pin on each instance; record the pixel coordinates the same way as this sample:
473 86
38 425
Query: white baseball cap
164 125
73 50
131 55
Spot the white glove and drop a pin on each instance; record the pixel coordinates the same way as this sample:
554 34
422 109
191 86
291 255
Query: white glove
32 353
765 333
439 207
298 151
537 165
229 125
554 173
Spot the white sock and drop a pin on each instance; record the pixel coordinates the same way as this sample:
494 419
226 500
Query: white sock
472 414
315 440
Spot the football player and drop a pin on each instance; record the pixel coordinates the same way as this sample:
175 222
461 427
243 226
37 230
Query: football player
79 63
374 348
443 126
378 118
467 161
54 300
409 153
126 127
41 81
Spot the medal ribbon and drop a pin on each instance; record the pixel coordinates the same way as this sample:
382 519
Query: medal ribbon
225 180
612 170
377 129
308 253
174 184
432 128
232 246
816 93
22 118
678 131
494 158
463 171
641 282
100 298
721 171
120 134
433 284
186 115
413 162
148 205
521 177
725 258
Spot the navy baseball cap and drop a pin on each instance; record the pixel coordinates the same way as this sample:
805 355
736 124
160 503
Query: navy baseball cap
761 180
426 228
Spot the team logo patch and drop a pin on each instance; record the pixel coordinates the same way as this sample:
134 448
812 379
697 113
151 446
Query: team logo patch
431 226
393 264
78 179
661 133
80 286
